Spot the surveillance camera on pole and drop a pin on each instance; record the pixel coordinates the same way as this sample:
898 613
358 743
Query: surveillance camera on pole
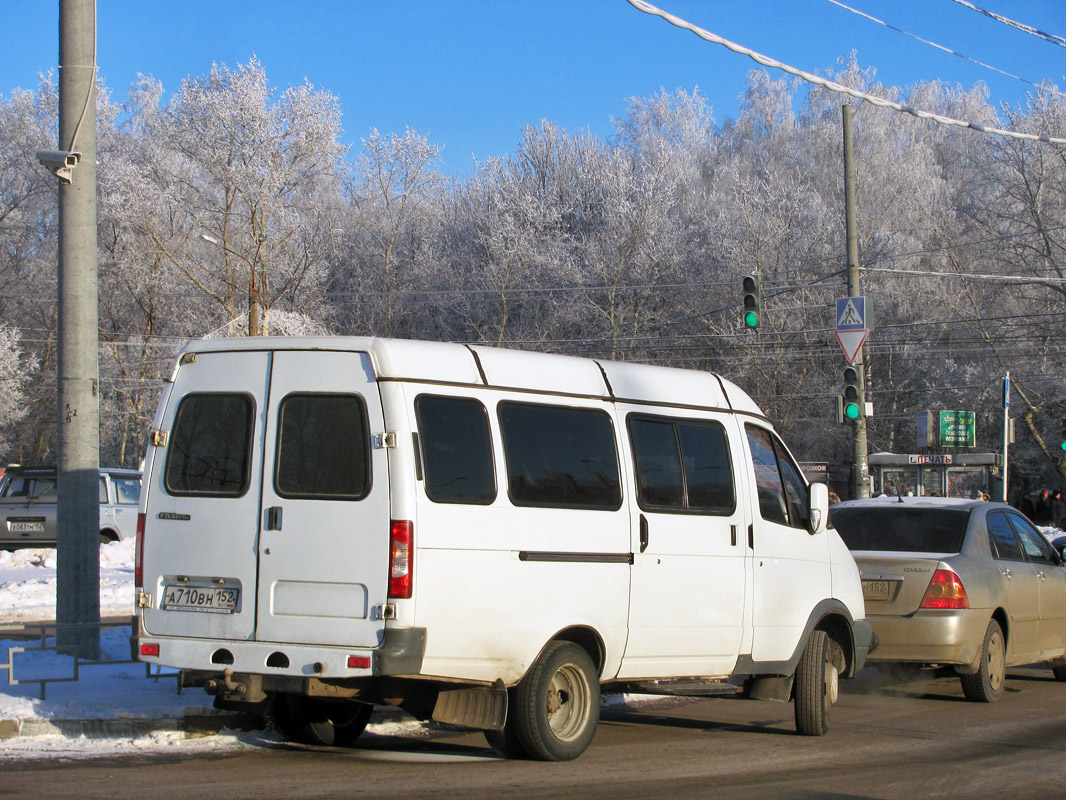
60 162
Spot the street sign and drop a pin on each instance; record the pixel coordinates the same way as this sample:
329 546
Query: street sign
851 342
851 327
851 314
958 429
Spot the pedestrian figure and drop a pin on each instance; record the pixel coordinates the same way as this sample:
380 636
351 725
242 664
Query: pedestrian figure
1042 511
1058 509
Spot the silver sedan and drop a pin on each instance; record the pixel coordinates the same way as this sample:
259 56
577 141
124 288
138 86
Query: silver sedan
963 583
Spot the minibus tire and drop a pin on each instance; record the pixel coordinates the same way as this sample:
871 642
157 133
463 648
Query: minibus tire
309 720
557 704
811 698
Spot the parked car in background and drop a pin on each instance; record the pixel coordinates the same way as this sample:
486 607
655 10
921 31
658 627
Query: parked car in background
28 505
963 583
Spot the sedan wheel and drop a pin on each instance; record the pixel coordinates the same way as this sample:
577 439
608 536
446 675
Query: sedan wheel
987 684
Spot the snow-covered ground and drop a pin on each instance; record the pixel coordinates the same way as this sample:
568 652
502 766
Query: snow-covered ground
103 692
28 583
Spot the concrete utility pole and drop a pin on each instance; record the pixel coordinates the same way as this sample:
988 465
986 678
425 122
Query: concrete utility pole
78 402
860 461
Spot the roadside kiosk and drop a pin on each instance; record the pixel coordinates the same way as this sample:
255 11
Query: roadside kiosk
937 474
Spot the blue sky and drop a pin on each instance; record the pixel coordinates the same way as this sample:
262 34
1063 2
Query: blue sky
472 74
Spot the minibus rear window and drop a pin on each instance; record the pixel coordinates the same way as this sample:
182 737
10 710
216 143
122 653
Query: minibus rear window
560 457
211 446
323 447
456 449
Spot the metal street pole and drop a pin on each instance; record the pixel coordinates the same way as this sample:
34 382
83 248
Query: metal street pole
78 402
860 462
1006 430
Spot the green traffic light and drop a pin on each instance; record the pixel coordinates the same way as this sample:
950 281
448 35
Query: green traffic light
751 319
851 411
1063 445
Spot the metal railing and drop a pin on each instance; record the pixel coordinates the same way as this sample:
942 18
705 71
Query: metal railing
65 666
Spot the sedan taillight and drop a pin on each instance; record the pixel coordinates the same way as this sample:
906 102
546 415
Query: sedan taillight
945 591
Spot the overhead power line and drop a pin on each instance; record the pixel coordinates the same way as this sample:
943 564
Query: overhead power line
833 86
1047 37
946 49
969 275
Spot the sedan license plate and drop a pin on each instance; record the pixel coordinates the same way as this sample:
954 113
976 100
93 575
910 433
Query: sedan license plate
212 600
26 525
876 590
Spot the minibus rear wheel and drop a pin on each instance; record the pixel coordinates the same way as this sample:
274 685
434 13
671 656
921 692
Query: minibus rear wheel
557 703
310 720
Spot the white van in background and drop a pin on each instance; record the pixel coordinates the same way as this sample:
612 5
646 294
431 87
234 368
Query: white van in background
29 505
482 536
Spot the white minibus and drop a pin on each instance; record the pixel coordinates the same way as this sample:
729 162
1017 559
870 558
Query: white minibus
484 537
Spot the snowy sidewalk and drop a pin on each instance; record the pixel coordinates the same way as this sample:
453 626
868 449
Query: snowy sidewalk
106 700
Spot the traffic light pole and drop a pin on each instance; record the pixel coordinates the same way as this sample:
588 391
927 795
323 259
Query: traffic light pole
860 462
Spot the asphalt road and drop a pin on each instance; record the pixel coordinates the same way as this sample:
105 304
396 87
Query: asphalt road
915 739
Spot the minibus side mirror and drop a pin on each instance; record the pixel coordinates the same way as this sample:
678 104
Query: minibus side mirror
817 508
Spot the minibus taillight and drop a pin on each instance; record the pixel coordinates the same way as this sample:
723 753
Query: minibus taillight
138 561
400 539
945 591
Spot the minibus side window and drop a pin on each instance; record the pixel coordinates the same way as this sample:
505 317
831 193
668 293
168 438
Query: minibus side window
682 465
782 493
708 469
211 446
660 481
323 448
456 450
560 457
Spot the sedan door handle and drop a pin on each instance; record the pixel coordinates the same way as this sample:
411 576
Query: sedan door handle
1007 573
643 533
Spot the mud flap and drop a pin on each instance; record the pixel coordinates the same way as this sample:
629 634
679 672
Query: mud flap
778 689
483 707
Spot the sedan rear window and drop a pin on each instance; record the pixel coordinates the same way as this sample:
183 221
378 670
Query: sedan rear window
900 529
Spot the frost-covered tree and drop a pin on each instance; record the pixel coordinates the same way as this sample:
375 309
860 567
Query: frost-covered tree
252 183
17 369
391 192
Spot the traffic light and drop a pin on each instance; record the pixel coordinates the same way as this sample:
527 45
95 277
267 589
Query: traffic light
752 302
851 399
1062 443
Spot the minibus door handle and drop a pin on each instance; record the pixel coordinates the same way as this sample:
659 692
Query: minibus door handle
643 533
273 520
